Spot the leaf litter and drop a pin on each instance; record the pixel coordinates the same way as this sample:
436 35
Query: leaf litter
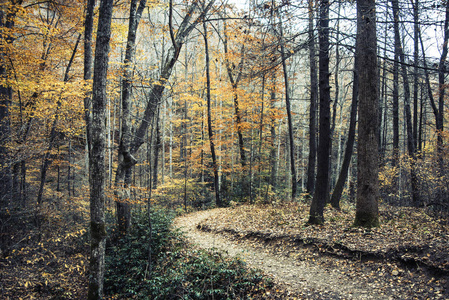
405 258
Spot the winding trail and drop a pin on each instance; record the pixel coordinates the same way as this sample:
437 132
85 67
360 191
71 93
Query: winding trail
296 276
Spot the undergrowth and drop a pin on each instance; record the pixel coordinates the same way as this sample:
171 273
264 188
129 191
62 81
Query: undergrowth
176 271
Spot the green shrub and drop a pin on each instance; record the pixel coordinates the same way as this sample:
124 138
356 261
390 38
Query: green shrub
178 272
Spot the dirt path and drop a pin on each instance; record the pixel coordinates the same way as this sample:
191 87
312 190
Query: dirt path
297 276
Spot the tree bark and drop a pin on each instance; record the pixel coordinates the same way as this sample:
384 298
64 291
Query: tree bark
442 88
383 110
415 6
157 148
407 109
367 211
273 160
294 182
313 105
125 157
234 80
218 201
88 29
7 18
261 127
397 48
336 99
96 159
321 194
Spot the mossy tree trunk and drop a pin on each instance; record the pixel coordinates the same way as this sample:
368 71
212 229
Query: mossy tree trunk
97 154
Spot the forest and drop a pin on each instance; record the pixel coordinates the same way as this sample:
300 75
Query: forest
140 139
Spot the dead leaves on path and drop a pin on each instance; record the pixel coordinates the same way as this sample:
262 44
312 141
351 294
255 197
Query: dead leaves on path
409 252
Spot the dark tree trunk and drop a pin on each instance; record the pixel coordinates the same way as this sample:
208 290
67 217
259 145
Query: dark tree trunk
407 110
337 95
126 159
321 194
261 126
397 48
238 120
273 160
367 211
7 18
338 190
234 80
23 185
157 148
69 169
383 109
313 105
96 158
415 5
422 110
294 182
218 201
88 29
5 171
442 88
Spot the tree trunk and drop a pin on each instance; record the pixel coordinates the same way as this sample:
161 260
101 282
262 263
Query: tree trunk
407 110
184 29
234 80
321 194
336 100
397 46
367 212
273 161
6 21
88 29
157 148
97 154
261 126
338 190
383 109
209 120
313 103
294 182
422 113
125 157
415 5
442 88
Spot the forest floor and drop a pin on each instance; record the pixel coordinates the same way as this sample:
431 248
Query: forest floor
407 257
